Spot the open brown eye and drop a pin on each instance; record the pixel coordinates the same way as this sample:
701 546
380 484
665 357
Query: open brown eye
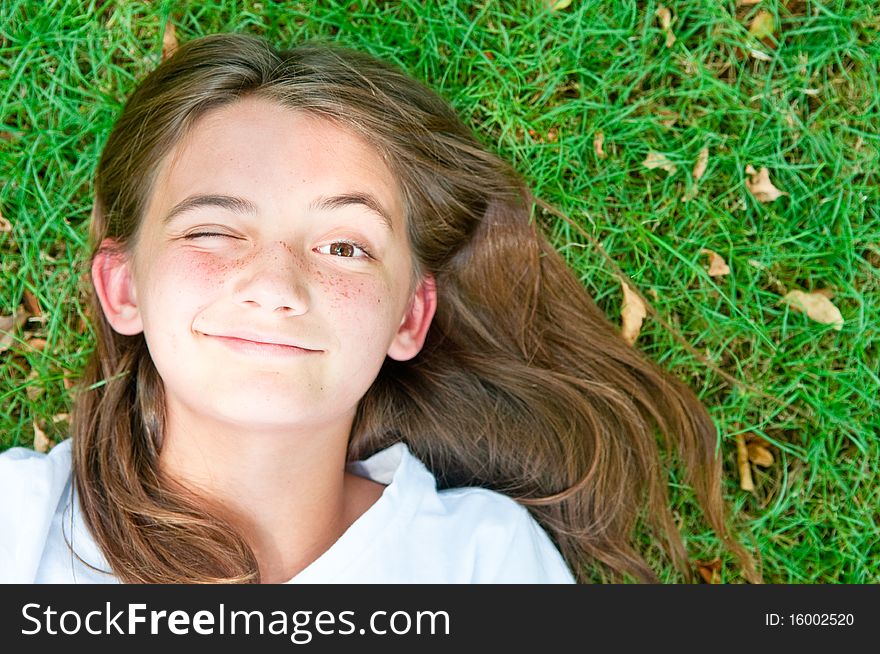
342 249
345 250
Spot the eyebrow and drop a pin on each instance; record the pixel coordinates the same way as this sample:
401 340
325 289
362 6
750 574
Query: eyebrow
244 206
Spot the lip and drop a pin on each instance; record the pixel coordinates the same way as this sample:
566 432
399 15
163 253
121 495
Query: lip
259 344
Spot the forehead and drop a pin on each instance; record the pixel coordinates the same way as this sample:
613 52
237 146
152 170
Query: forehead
258 146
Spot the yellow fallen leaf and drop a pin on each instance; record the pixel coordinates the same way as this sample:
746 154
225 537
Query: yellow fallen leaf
632 314
702 162
42 443
665 17
717 265
169 41
759 450
742 460
760 455
559 4
658 160
762 25
710 571
760 186
598 141
817 306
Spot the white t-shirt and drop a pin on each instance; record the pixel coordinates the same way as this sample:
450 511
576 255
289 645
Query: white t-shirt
412 534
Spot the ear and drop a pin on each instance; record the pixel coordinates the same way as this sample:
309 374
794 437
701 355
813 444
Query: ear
114 285
410 337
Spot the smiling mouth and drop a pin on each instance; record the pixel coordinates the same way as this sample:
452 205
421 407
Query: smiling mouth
259 347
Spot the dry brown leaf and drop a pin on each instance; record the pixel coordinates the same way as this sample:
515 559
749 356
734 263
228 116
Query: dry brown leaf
817 306
658 160
33 389
42 443
702 162
8 325
742 460
710 571
746 3
665 17
760 456
717 265
5 225
38 344
759 450
762 25
31 304
598 141
632 314
760 186
169 40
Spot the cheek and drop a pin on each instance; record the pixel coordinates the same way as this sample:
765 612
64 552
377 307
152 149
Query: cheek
188 282
363 303
351 293
204 273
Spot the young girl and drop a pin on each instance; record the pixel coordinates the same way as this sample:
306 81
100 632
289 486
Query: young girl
333 347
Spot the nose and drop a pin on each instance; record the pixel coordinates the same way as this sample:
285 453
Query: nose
275 279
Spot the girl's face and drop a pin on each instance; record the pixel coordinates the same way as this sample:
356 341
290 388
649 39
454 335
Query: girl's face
272 272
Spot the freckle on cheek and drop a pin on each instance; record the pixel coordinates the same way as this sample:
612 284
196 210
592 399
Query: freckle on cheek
345 289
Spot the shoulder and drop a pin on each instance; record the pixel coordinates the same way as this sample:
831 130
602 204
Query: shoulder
31 486
509 545
24 472
471 535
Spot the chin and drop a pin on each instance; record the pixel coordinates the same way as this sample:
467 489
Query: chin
274 412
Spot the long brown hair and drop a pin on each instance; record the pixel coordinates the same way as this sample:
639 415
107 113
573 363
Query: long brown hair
523 385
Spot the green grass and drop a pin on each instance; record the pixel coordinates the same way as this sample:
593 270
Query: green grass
536 86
